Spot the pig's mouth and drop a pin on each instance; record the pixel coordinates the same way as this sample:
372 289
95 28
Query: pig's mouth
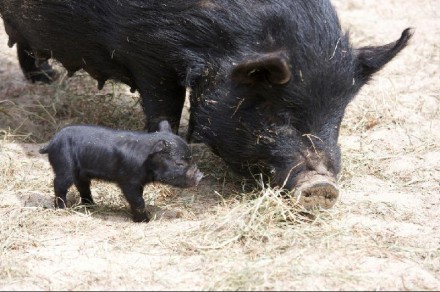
310 188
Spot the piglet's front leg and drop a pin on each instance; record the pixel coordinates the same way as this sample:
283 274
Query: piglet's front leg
133 194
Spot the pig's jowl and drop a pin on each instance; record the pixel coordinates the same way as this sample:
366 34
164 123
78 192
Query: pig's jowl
270 80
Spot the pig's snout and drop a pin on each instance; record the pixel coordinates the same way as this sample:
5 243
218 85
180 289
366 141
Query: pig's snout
317 191
313 182
316 184
195 175
199 176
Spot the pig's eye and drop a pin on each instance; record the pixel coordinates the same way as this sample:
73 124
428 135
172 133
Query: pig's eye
180 164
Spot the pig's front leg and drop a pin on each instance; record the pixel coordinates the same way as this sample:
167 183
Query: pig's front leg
162 99
133 194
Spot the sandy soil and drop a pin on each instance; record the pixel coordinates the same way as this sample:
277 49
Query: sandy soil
383 233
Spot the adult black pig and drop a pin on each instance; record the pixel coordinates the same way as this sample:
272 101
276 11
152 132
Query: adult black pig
270 79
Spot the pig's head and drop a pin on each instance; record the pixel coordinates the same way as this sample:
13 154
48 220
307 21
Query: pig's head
279 112
170 161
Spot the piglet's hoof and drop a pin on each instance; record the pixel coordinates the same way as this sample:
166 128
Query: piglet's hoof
319 191
141 217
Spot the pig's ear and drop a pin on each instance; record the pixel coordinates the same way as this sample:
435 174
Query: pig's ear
372 59
160 146
273 67
164 126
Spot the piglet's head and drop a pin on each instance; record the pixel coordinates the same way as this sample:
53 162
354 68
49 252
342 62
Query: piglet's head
170 160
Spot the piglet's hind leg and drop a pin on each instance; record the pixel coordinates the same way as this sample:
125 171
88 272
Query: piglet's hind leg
61 185
83 187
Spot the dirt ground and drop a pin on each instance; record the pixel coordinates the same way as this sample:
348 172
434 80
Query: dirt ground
383 233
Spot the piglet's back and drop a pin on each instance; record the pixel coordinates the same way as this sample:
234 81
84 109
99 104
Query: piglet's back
79 136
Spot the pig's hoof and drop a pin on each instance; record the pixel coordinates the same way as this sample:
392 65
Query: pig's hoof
322 194
87 202
141 217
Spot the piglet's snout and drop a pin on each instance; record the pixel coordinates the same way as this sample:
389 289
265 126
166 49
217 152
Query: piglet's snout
199 176
194 174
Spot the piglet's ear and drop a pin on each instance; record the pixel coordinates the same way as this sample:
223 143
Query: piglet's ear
160 146
372 59
164 126
271 67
